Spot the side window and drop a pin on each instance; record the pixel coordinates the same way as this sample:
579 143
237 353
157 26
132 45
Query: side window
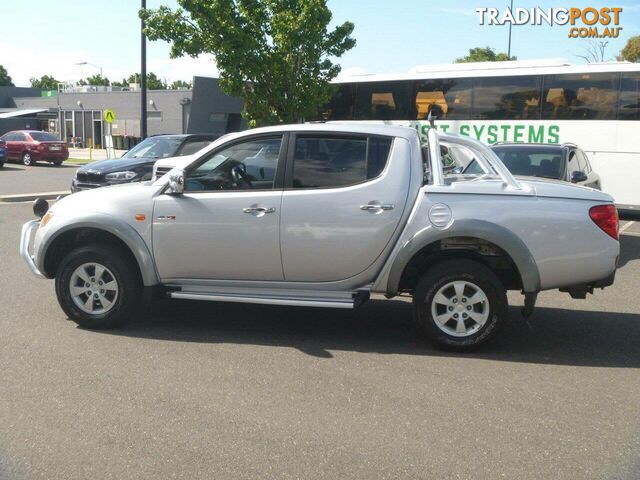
19 137
192 146
583 162
243 166
573 162
329 162
7 137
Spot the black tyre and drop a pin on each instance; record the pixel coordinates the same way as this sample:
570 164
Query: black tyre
57 164
27 159
459 304
98 287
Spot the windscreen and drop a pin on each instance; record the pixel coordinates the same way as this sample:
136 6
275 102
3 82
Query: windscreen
155 147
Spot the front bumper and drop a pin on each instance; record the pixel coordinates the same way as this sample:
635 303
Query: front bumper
25 238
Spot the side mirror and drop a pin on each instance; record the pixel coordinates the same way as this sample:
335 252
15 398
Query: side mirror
176 182
578 176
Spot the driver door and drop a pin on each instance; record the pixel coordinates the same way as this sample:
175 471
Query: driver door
225 226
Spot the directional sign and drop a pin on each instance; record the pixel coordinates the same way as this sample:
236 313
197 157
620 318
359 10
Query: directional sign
109 115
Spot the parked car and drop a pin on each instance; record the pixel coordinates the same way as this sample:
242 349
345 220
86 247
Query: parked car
566 162
30 146
3 152
137 164
323 215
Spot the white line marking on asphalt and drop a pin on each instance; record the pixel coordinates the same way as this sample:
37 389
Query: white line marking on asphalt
625 226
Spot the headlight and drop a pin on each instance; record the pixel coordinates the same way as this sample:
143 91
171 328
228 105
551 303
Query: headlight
75 175
120 176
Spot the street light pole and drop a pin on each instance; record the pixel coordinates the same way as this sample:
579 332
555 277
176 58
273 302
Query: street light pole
143 76
510 26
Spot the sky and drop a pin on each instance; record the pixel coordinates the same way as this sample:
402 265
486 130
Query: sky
392 36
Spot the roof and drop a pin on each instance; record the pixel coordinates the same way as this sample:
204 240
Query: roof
494 69
338 127
20 113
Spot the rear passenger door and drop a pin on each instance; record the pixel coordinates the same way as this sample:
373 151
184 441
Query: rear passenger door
343 200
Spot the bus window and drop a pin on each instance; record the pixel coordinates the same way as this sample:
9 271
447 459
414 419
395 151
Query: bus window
585 96
382 101
453 96
506 98
342 103
629 101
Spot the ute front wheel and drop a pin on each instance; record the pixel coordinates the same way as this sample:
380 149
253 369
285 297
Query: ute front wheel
459 304
97 288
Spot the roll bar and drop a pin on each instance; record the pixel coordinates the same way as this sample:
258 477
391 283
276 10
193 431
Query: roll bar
487 159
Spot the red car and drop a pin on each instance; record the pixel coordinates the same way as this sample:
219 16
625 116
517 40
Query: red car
30 146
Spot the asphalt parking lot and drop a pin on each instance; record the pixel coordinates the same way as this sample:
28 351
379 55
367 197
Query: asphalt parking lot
205 390
41 177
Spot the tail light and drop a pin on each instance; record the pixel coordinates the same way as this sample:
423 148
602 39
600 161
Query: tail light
606 217
40 147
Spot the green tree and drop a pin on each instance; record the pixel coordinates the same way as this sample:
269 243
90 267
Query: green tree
123 83
45 82
97 80
275 54
180 84
5 79
631 51
484 54
153 82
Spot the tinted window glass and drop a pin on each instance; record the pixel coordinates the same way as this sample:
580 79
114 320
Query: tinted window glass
243 166
382 101
507 98
582 161
325 162
453 96
629 100
342 104
193 146
573 162
580 96
155 147
43 137
532 161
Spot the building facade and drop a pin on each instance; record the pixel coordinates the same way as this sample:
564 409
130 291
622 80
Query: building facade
77 115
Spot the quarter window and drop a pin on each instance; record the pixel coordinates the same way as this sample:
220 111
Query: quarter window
243 166
329 162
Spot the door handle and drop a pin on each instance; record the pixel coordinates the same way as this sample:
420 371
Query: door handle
259 210
376 207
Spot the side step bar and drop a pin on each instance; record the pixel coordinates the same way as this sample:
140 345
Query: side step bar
298 301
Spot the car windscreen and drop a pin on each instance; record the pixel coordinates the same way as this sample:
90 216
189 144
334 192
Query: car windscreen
155 147
532 161
43 137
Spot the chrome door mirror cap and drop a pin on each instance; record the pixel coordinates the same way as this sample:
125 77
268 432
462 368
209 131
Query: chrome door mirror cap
176 182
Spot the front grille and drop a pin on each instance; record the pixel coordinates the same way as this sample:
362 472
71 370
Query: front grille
160 171
89 177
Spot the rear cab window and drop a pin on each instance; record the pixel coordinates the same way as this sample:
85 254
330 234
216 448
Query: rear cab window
333 161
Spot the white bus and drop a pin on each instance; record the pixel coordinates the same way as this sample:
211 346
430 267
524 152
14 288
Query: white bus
595 106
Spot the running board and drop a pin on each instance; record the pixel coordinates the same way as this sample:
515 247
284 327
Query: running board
343 300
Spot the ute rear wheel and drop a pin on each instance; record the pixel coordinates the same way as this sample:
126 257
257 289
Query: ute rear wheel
97 288
459 304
